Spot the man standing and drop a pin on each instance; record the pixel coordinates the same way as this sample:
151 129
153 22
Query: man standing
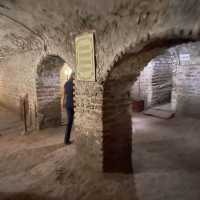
69 105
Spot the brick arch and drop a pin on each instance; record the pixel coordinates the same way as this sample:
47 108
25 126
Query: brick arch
117 125
48 91
153 39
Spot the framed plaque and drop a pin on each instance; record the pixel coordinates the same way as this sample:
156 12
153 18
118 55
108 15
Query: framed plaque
85 61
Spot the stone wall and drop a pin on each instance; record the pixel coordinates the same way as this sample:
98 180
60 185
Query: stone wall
19 77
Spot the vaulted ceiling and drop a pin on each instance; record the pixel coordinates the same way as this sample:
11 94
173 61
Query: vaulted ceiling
38 24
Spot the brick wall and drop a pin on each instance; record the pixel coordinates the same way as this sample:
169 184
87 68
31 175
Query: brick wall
88 123
186 76
142 88
173 76
48 87
117 125
154 85
116 101
162 79
17 80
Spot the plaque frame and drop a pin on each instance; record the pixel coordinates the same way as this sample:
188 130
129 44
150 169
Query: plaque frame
80 75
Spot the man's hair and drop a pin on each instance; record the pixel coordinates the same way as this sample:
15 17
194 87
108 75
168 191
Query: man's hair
72 75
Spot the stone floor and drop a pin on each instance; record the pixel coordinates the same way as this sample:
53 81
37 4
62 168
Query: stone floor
166 107
39 166
165 160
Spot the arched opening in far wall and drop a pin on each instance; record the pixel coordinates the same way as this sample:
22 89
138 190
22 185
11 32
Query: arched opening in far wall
52 73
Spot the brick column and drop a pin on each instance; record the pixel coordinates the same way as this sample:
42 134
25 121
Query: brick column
88 123
117 128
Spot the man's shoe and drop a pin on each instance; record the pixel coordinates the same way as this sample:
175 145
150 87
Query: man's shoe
68 143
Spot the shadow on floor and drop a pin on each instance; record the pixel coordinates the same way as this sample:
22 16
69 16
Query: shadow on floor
166 155
24 196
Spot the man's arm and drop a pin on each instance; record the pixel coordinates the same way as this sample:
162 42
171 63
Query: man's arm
64 99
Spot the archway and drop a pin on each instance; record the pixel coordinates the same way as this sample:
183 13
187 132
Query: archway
117 126
154 85
52 73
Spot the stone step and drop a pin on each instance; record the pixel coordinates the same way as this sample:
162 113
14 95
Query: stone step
163 114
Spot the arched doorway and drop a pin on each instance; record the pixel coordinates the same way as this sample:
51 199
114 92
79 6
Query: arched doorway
117 125
52 73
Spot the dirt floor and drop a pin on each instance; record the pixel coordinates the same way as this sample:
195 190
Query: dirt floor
165 160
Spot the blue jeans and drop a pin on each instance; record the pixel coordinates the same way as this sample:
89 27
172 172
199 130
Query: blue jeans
70 114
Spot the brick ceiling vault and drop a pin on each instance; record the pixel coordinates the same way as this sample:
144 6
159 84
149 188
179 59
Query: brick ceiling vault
42 25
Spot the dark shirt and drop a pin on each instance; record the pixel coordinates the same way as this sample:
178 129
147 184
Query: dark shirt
69 91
